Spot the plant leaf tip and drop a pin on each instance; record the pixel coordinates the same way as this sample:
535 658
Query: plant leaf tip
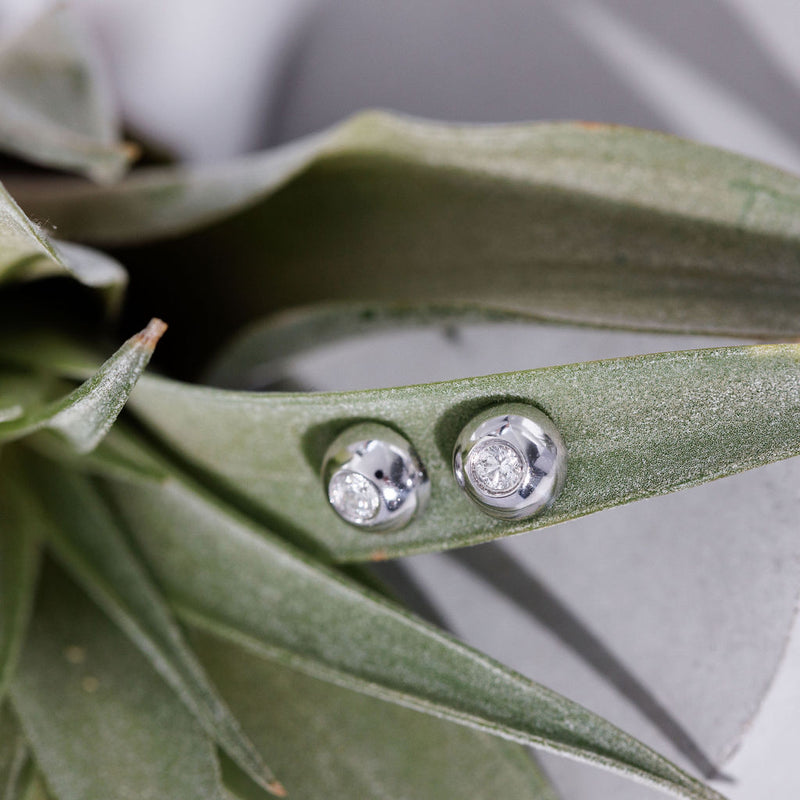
148 338
131 150
277 788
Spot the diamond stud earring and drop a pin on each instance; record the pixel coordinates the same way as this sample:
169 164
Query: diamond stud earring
511 461
374 478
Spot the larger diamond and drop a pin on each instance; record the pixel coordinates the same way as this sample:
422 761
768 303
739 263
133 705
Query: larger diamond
495 467
354 497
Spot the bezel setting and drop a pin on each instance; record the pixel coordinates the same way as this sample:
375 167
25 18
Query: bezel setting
511 461
374 479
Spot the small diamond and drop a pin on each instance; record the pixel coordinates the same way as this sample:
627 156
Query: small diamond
354 497
495 467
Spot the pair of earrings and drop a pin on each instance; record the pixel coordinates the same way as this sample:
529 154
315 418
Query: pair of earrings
509 460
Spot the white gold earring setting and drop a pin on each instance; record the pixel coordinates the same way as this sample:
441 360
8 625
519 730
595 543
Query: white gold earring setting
374 478
511 461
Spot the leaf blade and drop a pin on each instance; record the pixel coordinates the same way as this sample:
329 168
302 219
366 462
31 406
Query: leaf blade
634 427
260 354
82 680
380 750
594 224
85 415
88 542
27 254
19 566
55 102
15 766
289 607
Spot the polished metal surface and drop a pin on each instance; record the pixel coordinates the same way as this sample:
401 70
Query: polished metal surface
374 479
511 461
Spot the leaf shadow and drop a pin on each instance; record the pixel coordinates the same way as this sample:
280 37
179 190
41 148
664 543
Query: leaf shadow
402 583
491 564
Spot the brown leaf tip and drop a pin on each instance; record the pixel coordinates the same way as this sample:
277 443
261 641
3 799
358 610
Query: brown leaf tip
596 126
277 788
131 150
148 338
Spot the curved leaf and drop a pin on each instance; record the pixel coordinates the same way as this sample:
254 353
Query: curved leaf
260 354
354 746
27 254
82 681
566 221
15 764
85 415
228 576
634 427
21 389
55 103
36 790
19 563
91 546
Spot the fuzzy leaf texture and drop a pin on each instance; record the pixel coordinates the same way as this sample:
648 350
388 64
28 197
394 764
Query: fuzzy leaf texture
628 424
235 579
562 221
27 253
380 749
16 767
92 547
634 428
86 414
80 681
19 561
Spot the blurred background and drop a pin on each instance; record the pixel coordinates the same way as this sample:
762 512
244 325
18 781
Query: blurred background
212 78
673 617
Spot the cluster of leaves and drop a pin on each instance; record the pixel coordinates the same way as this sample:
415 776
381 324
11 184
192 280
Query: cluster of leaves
179 611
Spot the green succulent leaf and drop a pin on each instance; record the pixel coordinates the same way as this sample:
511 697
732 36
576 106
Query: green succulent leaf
356 746
567 221
15 763
20 389
85 415
19 562
261 353
26 254
35 789
634 428
101 722
90 544
225 574
55 103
